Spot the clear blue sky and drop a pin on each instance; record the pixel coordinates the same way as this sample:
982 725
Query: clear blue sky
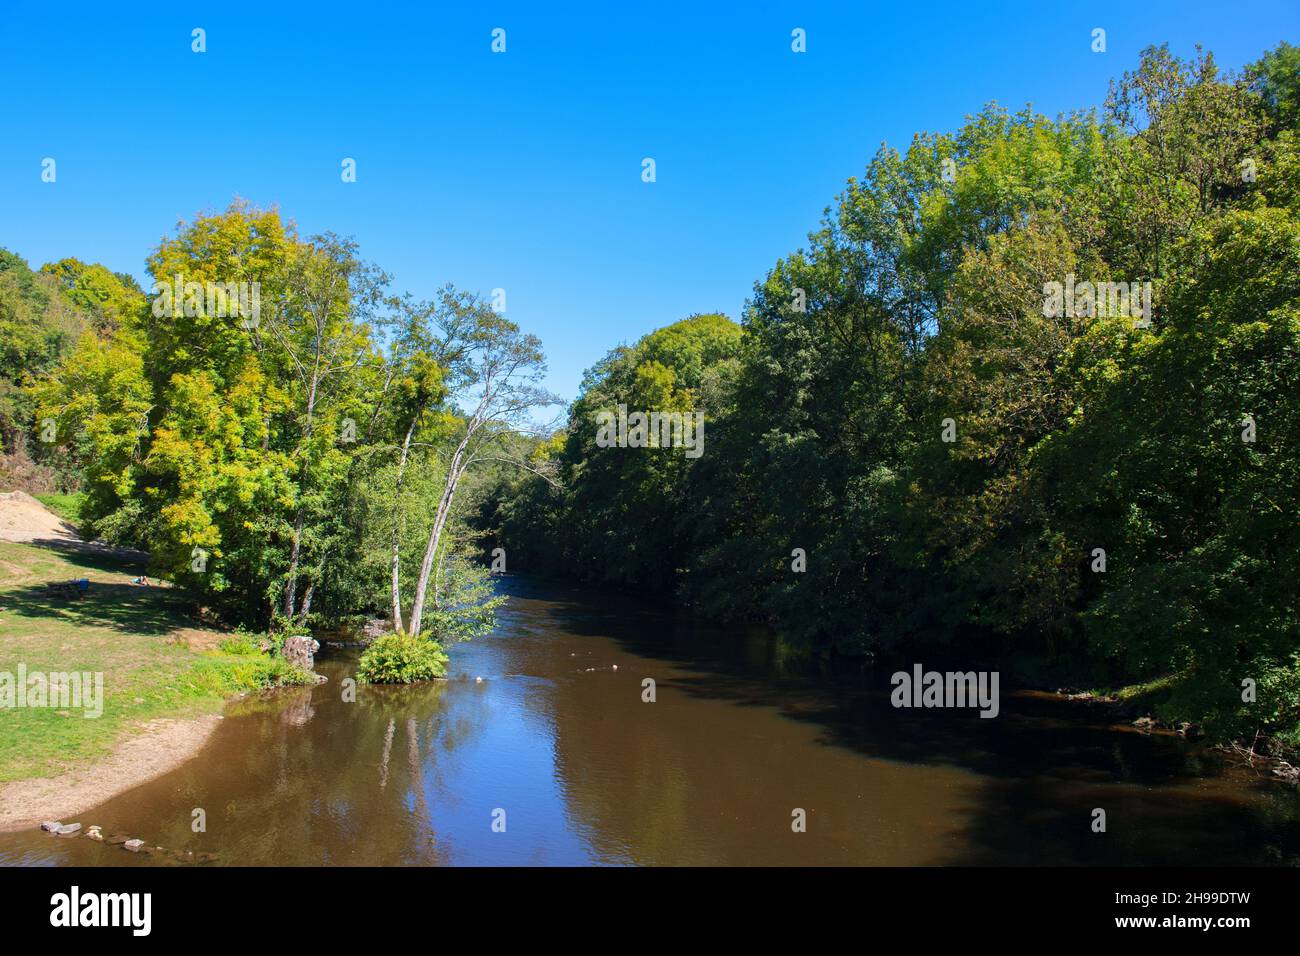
523 170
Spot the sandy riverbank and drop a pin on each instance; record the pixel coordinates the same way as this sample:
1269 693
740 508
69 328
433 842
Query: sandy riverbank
161 746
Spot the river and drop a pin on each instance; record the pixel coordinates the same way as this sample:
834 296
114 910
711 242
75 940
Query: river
554 758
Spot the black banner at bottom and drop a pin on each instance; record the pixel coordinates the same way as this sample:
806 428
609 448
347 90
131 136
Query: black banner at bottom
331 904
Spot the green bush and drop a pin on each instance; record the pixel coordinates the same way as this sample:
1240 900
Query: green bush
1213 700
256 665
243 674
243 644
401 659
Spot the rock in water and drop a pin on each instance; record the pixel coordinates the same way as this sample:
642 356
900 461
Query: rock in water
49 826
68 829
300 650
133 845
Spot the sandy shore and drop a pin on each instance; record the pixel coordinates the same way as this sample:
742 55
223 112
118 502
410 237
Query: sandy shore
162 745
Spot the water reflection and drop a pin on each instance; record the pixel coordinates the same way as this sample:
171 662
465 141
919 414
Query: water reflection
558 738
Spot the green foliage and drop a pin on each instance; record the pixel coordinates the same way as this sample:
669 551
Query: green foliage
1276 78
67 507
402 659
920 301
242 644
112 298
466 603
628 515
257 457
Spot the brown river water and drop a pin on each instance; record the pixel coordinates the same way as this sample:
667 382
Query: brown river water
710 773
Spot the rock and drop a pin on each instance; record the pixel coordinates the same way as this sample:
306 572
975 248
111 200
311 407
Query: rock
376 628
133 845
1145 723
95 834
300 650
50 826
117 839
68 829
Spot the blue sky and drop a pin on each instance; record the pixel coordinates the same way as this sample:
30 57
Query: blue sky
522 170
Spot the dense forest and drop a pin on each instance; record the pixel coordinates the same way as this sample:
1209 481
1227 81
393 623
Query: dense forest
911 448
282 433
1030 391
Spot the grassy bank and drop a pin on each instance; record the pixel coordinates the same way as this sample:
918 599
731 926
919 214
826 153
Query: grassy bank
156 660
67 507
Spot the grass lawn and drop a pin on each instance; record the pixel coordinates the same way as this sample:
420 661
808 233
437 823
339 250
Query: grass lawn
155 659
67 507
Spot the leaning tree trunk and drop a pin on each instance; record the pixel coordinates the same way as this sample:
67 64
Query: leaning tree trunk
305 610
291 585
396 557
454 473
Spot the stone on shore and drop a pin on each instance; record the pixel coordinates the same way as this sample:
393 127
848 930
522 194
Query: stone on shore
300 649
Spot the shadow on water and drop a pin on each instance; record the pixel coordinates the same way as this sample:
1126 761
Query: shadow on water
544 724
1047 764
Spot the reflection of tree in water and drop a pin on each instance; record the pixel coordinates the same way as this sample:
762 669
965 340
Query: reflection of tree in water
301 777
462 714
710 772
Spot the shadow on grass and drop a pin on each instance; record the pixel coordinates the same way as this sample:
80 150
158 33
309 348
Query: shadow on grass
93 554
121 606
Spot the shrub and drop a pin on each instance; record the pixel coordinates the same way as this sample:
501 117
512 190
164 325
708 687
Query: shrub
401 659
1213 700
252 662
242 644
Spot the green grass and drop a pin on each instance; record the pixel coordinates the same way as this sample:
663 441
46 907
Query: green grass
156 661
67 507
1147 692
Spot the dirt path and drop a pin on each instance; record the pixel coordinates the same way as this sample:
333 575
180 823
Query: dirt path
23 519
163 745
151 748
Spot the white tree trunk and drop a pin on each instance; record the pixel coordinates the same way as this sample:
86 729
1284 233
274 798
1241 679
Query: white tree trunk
454 473
397 519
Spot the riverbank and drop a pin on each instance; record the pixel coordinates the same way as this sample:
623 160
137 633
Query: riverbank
161 746
564 754
104 684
